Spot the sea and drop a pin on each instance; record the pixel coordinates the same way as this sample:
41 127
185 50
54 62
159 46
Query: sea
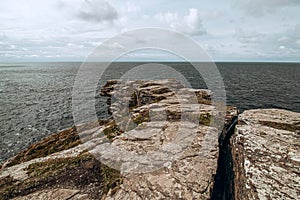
36 98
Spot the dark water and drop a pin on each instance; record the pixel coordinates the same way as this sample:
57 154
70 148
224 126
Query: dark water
35 99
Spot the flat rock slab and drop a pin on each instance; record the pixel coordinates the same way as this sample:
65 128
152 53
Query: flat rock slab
191 176
266 155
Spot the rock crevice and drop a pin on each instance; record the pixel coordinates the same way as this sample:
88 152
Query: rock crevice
266 155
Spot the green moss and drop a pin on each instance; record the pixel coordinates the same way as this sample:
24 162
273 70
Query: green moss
203 98
38 174
133 101
205 119
55 166
112 130
78 172
141 117
54 143
6 187
111 178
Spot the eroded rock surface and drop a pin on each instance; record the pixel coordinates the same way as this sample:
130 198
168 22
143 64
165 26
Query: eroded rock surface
163 140
55 194
266 155
180 124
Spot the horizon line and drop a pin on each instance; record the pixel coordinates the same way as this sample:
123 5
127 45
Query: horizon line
161 61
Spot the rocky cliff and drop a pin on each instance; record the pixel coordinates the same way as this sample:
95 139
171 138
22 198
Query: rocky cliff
266 155
171 143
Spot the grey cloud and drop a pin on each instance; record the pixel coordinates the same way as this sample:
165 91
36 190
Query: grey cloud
263 7
280 45
296 31
12 48
97 11
249 37
290 38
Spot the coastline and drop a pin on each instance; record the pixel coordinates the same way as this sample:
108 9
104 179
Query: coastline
60 164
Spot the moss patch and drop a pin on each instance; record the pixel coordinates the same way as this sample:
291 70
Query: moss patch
111 178
203 98
133 101
54 143
141 117
205 119
83 172
112 130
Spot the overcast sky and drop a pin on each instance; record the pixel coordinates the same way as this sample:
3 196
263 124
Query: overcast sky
68 30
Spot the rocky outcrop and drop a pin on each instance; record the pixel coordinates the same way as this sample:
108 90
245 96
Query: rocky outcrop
148 116
158 110
58 176
163 141
266 155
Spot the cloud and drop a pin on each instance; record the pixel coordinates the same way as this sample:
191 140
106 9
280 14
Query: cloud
67 29
290 38
131 7
280 45
194 23
263 7
190 24
249 37
97 11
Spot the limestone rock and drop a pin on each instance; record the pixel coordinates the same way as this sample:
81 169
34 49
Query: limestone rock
266 155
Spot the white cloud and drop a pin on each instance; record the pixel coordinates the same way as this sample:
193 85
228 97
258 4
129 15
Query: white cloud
97 11
115 45
194 22
190 24
131 7
69 29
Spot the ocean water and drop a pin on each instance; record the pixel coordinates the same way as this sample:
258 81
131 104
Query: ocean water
35 98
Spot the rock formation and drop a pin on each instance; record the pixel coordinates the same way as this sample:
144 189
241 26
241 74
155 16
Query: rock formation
163 141
266 155
161 108
179 125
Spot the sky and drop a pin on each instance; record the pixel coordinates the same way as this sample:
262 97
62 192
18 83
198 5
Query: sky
228 30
